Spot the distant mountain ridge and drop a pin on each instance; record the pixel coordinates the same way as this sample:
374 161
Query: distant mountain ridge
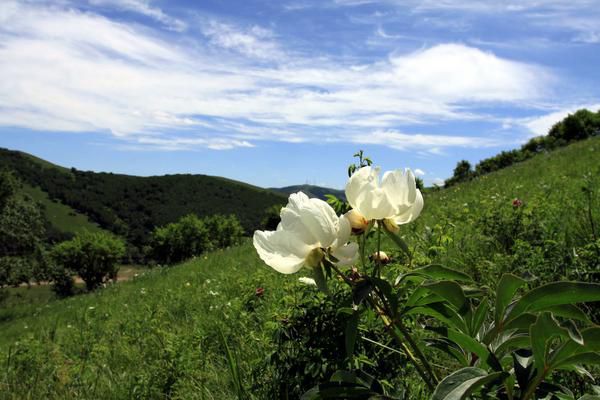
311 191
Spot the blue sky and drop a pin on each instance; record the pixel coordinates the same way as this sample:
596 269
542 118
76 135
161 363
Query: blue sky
276 93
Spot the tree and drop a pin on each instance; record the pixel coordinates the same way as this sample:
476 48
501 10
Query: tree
462 172
180 240
92 256
21 235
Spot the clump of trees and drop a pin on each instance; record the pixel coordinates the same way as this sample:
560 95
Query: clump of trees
578 126
21 235
92 256
191 236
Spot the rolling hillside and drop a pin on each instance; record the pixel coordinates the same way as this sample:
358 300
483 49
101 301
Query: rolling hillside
132 206
159 335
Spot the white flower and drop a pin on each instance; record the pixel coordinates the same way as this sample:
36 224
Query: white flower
308 229
308 281
396 200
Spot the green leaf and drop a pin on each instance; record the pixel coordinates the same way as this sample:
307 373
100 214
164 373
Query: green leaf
518 341
479 316
470 345
443 312
350 333
463 383
450 348
554 294
588 358
450 291
568 311
507 287
591 342
319 277
436 271
544 329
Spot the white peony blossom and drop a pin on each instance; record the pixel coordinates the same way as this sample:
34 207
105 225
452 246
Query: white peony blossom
309 228
396 200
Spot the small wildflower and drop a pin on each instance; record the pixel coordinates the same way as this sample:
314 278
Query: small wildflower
516 203
187 284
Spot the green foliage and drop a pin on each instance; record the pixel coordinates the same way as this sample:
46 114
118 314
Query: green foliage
310 347
92 256
462 173
21 235
192 236
132 206
579 126
271 218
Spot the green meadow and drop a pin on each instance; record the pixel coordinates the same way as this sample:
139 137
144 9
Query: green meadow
202 330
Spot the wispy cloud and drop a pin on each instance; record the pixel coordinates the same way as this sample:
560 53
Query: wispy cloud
255 41
145 8
67 70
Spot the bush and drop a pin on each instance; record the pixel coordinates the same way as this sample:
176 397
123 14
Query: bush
192 236
92 256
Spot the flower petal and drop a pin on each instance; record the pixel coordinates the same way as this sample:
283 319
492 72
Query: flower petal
313 221
280 250
412 212
346 255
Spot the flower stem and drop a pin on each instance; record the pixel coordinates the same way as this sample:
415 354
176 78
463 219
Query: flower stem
391 329
377 269
397 323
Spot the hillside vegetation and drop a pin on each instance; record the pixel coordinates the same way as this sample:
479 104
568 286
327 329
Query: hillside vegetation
311 191
133 206
166 333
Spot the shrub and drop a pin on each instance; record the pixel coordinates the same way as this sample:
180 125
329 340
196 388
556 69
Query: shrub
92 256
192 236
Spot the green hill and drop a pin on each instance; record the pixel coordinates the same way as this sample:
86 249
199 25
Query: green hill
159 336
132 206
61 217
311 191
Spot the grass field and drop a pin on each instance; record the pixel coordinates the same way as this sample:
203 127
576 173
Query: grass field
159 334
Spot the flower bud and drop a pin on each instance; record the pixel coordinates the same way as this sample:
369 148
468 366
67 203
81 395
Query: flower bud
391 225
308 281
380 257
358 222
314 258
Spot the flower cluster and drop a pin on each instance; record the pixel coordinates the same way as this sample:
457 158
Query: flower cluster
310 231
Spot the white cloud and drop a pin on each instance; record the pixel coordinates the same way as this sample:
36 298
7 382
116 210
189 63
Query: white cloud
143 7
403 141
539 126
438 182
419 172
255 42
66 70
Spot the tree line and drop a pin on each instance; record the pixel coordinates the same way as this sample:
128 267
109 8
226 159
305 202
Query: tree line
578 126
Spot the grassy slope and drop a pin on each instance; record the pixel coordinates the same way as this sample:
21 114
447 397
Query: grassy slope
159 334
62 217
